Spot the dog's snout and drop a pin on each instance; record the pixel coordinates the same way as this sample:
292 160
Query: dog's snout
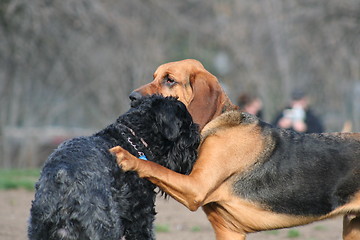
135 96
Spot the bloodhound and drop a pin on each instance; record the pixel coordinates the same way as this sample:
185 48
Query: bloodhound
198 89
251 176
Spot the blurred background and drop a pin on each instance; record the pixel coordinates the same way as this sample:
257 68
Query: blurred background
67 67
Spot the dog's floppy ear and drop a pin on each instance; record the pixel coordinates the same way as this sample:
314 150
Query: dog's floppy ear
206 97
168 119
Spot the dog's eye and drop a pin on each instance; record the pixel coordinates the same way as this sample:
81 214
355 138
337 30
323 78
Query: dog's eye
169 81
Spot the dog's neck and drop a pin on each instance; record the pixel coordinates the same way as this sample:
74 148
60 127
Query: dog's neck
227 105
123 131
131 142
224 105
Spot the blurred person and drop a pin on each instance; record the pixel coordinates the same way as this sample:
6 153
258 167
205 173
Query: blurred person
298 116
347 126
250 104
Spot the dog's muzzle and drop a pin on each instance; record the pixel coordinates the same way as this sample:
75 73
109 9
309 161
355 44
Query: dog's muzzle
134 97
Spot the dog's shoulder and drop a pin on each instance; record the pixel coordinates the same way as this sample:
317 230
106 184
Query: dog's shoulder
228 120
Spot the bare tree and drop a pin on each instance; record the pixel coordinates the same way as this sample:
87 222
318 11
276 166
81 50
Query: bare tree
72 63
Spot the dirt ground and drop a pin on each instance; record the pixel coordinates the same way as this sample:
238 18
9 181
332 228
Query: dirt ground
173 222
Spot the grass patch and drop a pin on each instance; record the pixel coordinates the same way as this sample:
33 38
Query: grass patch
196 229
293 233
320 228
162 228
18 178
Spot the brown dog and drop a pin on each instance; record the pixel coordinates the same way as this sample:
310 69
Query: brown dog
250 176
198 89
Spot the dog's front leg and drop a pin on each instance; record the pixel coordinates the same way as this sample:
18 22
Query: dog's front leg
126 160
191 190
351 227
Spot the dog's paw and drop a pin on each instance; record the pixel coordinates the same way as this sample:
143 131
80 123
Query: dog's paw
116 150
124 159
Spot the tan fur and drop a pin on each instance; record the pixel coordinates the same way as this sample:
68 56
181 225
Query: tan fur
198 89
231 144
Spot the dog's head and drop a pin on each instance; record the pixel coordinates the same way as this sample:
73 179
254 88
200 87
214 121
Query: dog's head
168 128
192 84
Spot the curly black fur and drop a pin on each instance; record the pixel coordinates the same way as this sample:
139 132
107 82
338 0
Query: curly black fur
83 194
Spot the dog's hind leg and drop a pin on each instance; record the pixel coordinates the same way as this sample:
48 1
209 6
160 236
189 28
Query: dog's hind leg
221 228
351 227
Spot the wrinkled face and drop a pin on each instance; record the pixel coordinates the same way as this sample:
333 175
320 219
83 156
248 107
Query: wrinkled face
191 83
172 79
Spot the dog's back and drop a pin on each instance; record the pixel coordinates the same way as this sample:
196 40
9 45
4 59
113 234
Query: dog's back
69 200
319 170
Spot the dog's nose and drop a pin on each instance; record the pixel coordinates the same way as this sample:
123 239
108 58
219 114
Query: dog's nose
135 96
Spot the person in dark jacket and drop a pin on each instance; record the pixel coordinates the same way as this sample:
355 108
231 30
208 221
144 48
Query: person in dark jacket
299 116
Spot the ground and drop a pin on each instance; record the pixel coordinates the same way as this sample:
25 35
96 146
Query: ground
173 222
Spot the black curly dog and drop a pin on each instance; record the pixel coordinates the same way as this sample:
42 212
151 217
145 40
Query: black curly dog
83 194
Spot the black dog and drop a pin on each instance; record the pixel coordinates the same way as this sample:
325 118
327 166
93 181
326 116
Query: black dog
83 194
